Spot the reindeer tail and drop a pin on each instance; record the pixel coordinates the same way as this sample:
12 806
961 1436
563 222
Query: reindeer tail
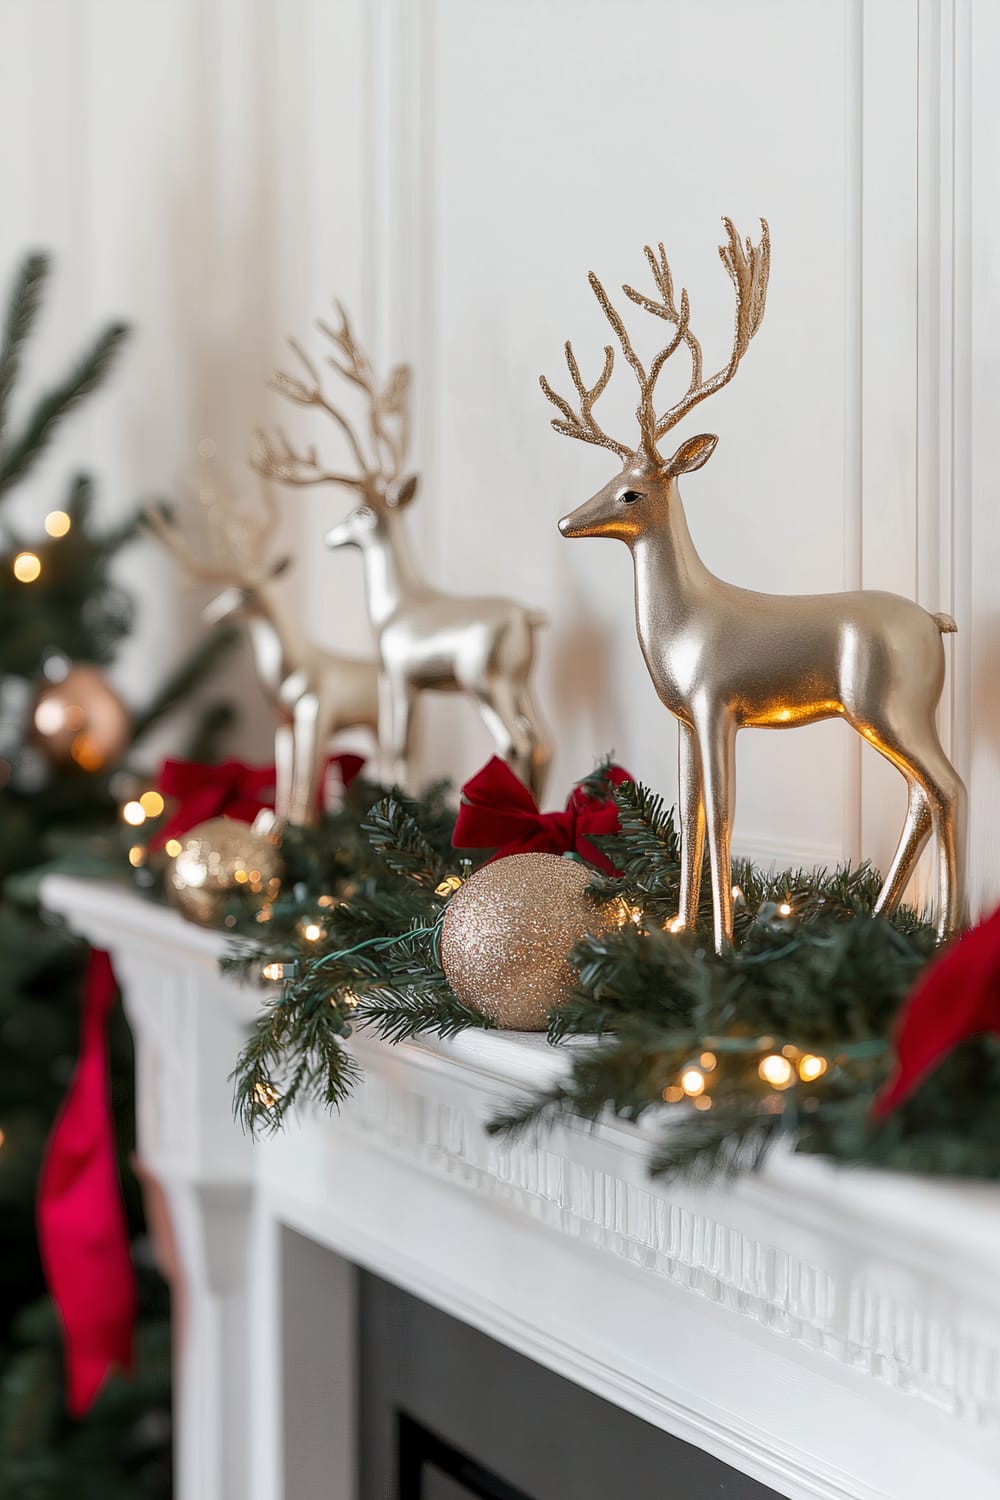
945 624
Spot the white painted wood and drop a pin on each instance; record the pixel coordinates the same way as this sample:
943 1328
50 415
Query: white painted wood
835 1334
215 169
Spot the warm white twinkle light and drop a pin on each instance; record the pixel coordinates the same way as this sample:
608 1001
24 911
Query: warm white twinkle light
173 847
776 1070
273 971
57 523
134 814
811 1067
785 909
677 925
152 804
312 931
27 567
693 1082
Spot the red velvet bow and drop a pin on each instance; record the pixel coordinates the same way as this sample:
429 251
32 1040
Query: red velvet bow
957 997
227 790
82 1232
498 812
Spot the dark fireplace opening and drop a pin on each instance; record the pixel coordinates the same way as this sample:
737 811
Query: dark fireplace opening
430 1469
447 1413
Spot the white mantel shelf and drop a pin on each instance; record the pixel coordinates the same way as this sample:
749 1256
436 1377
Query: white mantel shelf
835 1334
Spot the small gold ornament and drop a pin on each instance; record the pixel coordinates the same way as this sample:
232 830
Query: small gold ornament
724 658
81 720
508 932
222 865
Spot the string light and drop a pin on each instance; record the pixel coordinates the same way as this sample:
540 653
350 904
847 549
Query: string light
785 909
137 855
673 1093
152 804
677 925
738 895
27 567
776 1070
311 931
265 1094
273 971
693 1082
173 847
134 814
57 523
811 1067
703 1101
448 886
708 1061
327 901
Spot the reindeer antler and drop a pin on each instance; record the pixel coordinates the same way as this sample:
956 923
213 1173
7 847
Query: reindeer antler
748 271
244 539
388 415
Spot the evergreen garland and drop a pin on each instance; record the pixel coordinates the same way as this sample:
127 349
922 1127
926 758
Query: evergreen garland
814 980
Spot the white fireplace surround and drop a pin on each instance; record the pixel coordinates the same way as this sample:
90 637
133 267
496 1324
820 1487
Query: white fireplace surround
835 1334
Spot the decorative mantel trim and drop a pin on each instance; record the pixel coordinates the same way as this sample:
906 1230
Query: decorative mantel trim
835 1334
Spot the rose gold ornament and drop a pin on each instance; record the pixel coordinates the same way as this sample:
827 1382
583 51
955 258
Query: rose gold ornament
314 692
427 639
81 720
508 933
223 868
723 658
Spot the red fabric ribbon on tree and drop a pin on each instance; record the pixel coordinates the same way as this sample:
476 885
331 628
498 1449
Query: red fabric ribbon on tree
957 997
230 789
82 1230
498 812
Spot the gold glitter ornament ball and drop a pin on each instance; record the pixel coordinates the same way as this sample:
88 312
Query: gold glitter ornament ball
508 933
223 868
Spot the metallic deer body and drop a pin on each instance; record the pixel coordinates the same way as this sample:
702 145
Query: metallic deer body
427 639
314 692
724 658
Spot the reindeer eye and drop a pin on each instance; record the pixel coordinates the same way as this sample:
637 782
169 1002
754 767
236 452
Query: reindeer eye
629 497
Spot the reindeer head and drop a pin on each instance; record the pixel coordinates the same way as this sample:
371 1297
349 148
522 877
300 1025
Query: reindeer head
381 485
236 555
636 500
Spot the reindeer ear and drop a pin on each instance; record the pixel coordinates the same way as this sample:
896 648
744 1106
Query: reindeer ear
399 492
692 454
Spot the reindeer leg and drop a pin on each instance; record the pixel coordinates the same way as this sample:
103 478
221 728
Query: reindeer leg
540 749
284 762
498 704
716 734
916 832
395 702
307 750
692 817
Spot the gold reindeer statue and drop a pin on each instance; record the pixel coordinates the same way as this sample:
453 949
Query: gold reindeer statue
314 692
724 658
427 639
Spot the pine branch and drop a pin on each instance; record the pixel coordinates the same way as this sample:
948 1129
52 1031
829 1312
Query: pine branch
19 453
22 311
707 1146
397 1015
645 849
396 834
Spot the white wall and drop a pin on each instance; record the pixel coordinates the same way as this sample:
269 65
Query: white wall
453 168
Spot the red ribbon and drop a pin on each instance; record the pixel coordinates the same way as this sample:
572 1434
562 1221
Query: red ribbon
957 997
82 1230
498 812
230 789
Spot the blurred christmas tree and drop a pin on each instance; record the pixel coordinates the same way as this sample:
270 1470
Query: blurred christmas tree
65 745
